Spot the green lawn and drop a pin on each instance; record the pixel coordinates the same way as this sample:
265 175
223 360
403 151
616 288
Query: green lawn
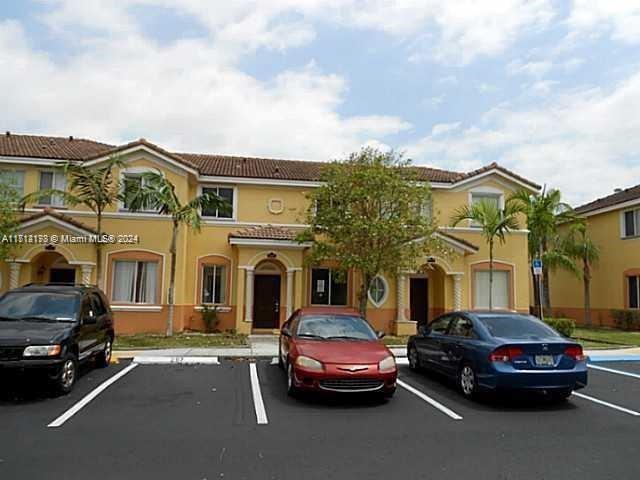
183 340
606 337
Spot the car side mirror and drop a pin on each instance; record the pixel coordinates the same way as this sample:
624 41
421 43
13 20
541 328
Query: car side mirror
380 335
286 332
424 330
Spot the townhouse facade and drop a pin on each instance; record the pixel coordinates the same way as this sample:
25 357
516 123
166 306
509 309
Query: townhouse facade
245 262
613 222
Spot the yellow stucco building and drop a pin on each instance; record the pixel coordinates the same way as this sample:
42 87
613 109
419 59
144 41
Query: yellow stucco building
613 222
246 261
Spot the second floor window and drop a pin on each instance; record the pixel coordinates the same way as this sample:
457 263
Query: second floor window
49 180
226 194
493 198
13 179
326 289
631 223
634 291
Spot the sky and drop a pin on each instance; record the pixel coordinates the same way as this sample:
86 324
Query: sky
549 89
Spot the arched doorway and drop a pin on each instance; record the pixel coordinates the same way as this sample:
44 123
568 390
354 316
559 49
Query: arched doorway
52 267
426 293
267 300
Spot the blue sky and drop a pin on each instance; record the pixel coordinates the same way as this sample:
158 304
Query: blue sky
547 88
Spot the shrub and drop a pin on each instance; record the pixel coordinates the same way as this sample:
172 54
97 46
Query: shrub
564 326
626 319
210 318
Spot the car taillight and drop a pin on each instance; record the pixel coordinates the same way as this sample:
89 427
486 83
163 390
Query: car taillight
575 352
505 354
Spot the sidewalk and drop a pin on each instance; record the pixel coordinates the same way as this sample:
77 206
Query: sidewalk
266 346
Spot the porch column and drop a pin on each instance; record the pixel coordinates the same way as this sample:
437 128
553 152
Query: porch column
290 279
457 291
14 274
401 280
86 274
248 297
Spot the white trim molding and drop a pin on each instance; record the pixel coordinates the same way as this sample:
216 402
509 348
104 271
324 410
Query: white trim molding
136 308
290 244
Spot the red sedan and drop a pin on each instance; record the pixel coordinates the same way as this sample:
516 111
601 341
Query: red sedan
327 349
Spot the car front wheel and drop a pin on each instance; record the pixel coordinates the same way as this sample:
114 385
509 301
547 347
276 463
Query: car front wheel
66 379
467 381
414 359
292 390
104 357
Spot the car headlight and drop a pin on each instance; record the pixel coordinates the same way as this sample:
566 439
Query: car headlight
41 351
387 365
309 363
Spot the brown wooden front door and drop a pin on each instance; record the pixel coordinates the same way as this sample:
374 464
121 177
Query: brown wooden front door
266 301
419 299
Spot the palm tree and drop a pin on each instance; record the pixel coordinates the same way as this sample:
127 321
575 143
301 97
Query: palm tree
579 245
95 188
545 213
493 222
156 192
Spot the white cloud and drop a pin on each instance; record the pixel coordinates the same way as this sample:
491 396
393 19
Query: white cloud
444 128
534 69
585 142
620 18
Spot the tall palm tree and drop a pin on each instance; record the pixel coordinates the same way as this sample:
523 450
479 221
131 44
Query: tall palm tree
579 245
493 222
545 213
97 188
156 192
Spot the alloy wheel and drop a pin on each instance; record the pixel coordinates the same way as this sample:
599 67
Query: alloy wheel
413 358
107 352
68 375
467 380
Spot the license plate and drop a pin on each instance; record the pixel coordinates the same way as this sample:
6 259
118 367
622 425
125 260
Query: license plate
544 360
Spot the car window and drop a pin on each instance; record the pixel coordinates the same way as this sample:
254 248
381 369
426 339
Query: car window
98 305
440 325
60 307
516 326
461 327
335 326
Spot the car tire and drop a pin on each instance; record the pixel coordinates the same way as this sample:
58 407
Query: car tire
561 395
68 374
292 390
414 358
104 357
468 381
280 362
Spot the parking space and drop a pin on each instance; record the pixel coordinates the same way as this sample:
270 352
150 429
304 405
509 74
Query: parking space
201 421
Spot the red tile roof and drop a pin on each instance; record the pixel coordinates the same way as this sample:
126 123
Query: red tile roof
60 216
617 198
267 232
459 240
69 148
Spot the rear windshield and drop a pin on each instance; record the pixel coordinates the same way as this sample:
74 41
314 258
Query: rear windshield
46 306
516 326
335 327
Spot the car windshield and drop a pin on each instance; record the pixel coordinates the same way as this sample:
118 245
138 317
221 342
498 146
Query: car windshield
46 306
516 326
335 327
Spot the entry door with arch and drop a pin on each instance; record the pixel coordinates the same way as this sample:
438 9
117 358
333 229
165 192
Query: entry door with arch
419 299
266 297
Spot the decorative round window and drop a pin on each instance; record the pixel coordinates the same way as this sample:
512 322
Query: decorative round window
378 291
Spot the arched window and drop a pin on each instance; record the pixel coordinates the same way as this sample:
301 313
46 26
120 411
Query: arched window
378 291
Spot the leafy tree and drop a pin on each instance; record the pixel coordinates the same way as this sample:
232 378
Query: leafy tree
97 188
8 216
545 213
369 216
578 245
494 224
156 192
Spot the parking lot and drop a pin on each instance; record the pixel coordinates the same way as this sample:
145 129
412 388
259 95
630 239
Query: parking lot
234 420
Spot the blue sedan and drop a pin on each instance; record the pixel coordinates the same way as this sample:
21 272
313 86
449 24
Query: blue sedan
493 351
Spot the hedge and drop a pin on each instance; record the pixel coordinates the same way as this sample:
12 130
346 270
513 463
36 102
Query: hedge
626 319
565 326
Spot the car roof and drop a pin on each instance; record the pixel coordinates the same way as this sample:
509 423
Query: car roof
54 288
329 311
494 313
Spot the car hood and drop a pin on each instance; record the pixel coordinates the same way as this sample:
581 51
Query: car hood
343 351
22 332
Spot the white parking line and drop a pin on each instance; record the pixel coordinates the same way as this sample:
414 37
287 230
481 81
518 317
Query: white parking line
261 413
607 404
93 394
611 370
429 400
151 360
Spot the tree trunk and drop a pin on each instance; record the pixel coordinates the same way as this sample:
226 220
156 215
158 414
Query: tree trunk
491 274
545 289
362 295
172 279
99 250
586 278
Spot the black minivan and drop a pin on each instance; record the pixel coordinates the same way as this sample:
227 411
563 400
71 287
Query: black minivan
51 328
